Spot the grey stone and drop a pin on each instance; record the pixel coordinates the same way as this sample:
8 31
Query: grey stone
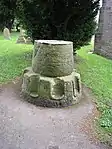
21 39
52 80
6 34
53 147
21 31
28 40
103 38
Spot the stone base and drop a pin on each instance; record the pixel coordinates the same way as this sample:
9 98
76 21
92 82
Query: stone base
51 91
104 53
28 40
21 40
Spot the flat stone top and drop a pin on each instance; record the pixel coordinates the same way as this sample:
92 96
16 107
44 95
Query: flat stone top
54 42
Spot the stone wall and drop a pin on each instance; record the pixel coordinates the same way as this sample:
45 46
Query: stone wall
103 38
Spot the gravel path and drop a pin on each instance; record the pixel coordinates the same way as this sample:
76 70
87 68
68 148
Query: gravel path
25 126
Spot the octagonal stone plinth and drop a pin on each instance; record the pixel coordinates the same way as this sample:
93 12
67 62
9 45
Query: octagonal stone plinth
52 81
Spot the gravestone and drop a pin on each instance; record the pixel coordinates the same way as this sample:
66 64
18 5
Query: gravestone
21 39
52 80
28 40
103 38
6 34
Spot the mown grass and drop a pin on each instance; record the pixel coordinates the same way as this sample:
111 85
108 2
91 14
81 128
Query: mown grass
96 73
13 58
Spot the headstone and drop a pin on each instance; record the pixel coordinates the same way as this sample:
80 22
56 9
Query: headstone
28 40
103 38
6 33
21 31
21 39
52 80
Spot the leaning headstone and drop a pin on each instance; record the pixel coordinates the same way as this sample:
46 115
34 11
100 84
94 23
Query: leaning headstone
28 40
21 39
52 80
103 38
6 34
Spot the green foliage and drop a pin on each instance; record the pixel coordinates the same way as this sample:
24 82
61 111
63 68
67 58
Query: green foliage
59 19
106 119
7 13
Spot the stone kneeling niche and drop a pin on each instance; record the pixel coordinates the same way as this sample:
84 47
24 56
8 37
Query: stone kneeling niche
52 80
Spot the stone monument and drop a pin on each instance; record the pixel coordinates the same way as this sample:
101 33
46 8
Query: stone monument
28 40
52 80
6 33
21 39
103 38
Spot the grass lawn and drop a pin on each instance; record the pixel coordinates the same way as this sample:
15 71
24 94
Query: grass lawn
13 58
96 73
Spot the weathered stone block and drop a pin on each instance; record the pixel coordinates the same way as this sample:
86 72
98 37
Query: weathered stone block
28 40
53 59
52 83
103 37
21 40
6 34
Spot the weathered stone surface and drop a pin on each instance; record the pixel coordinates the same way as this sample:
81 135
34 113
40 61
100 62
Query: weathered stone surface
28 40
21 31
53 147
6 34
103 39
55 59
51 81
21 39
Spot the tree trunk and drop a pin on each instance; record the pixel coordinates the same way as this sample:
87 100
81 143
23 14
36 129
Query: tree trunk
9 24
17 27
